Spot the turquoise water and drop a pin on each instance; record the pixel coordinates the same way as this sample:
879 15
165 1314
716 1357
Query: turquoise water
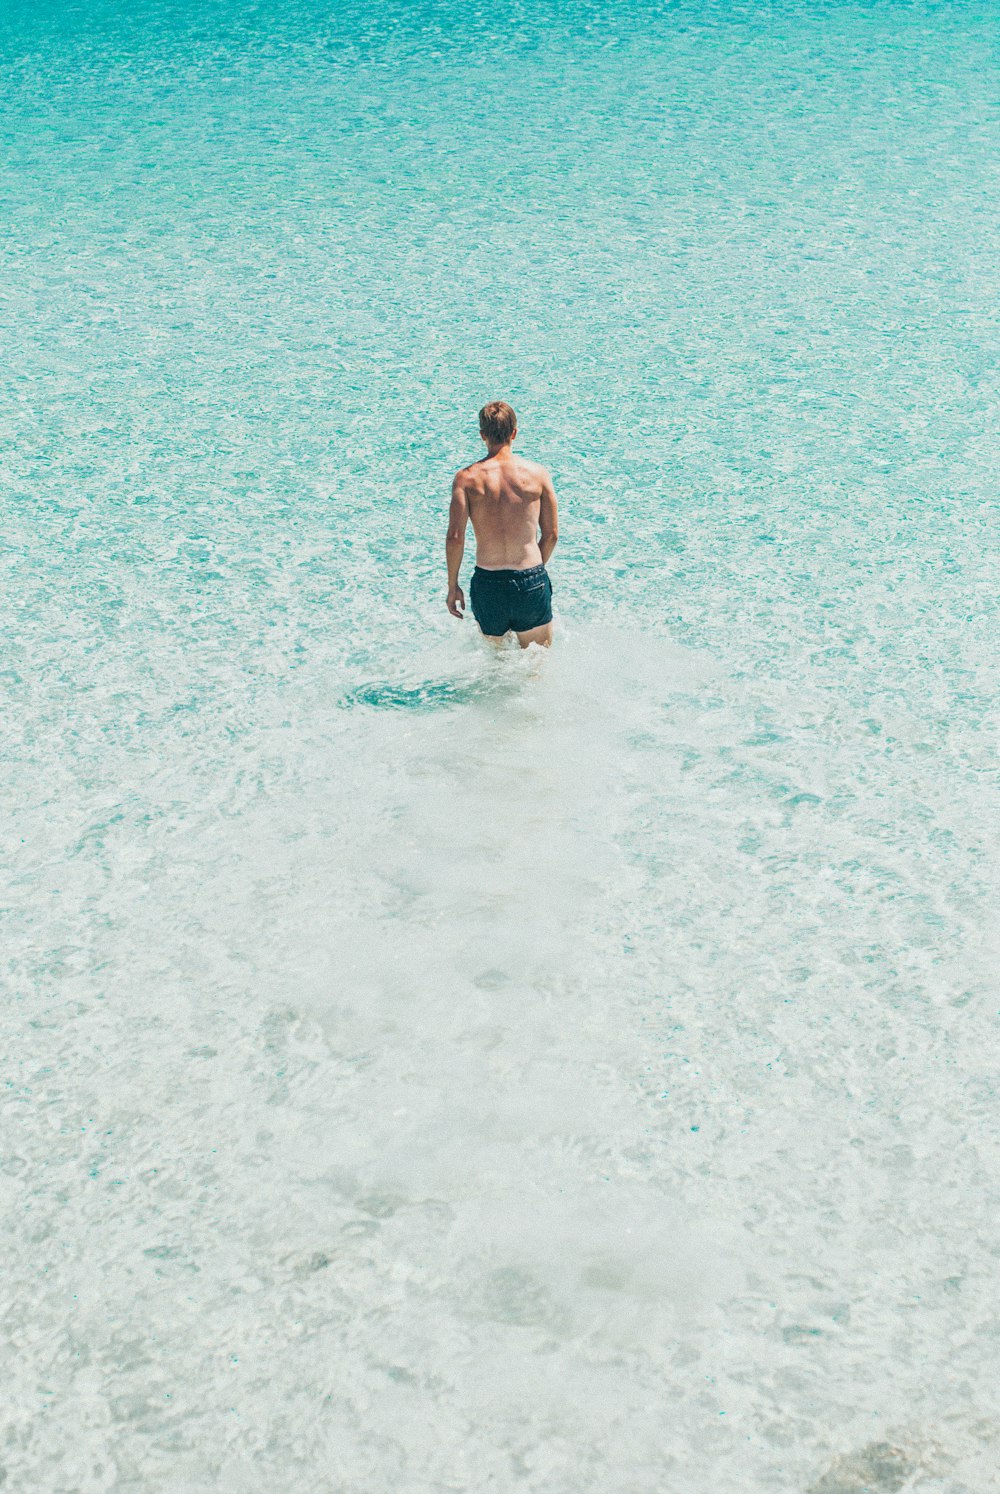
432 1072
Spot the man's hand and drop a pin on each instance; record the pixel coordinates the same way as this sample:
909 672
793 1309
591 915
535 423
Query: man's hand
456 601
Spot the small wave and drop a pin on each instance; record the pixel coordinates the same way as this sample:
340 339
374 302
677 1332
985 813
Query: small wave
428 695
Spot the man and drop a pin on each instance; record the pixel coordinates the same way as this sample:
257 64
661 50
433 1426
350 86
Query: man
509 500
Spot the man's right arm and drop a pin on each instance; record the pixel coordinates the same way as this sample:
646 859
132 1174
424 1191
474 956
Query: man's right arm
458 519
548 519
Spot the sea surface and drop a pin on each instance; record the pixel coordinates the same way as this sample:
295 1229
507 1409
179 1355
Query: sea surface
433 1072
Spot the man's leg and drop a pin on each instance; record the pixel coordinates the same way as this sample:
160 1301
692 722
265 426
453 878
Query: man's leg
542 635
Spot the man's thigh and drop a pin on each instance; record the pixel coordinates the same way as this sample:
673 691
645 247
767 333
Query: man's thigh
542 635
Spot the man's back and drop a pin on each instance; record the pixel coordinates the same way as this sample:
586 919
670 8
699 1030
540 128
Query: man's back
504 494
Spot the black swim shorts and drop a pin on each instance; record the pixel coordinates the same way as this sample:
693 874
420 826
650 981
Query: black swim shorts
503 601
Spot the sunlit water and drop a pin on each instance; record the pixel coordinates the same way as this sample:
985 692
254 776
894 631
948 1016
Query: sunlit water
429 1071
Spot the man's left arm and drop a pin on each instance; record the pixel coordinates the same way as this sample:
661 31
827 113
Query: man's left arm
458 519
548 519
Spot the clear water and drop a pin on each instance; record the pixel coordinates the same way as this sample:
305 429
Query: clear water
430 1072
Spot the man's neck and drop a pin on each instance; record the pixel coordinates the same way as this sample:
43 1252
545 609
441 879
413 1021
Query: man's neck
500 451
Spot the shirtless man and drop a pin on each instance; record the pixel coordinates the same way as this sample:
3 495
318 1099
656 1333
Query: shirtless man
508 500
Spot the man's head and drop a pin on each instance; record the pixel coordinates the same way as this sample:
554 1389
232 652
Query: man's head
497 423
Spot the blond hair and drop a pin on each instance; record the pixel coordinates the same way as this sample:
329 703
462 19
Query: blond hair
497 422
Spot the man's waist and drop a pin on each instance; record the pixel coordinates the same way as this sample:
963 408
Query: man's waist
510 573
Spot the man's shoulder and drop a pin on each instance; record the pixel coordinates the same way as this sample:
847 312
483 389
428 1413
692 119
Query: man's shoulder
468 476
534 470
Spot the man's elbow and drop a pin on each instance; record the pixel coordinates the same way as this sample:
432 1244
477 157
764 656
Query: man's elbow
550 537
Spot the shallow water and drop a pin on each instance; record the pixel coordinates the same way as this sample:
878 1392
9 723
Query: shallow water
428 1070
